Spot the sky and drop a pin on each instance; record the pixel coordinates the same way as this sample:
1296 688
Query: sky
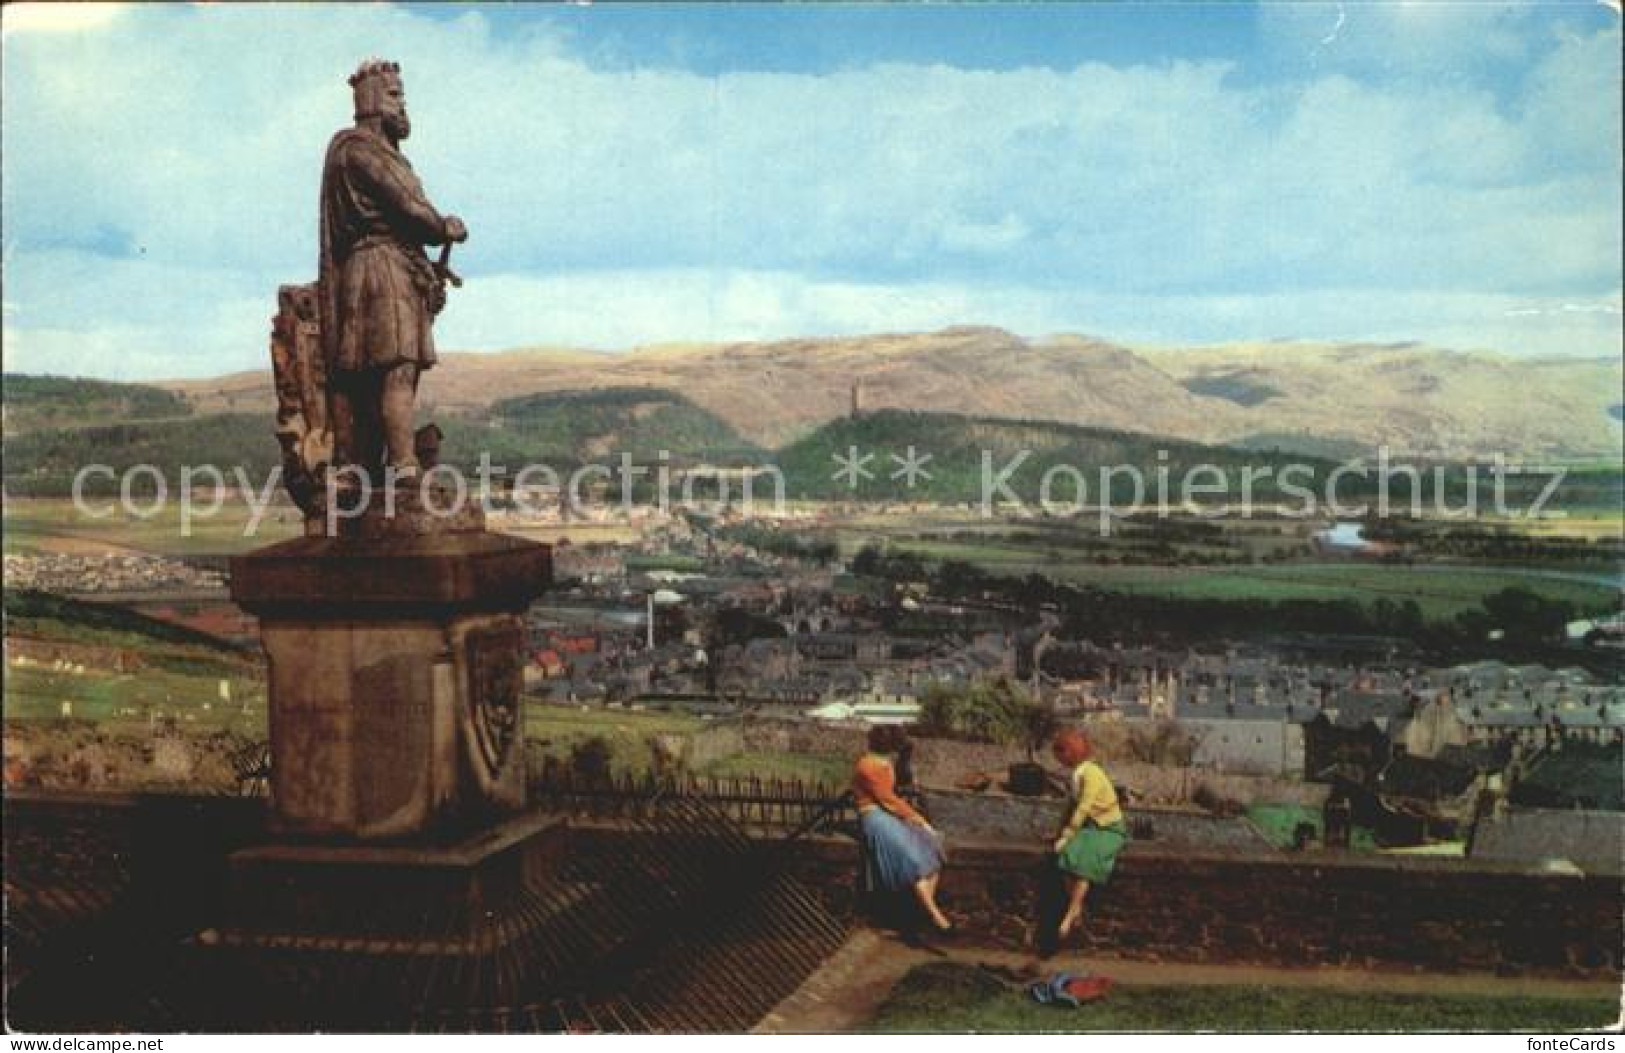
1155 174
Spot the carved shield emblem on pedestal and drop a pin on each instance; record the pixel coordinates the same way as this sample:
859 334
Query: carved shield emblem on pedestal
495 678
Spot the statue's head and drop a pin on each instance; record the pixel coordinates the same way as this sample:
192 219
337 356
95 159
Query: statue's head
379 93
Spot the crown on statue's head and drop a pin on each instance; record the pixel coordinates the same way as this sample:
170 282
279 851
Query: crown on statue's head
373 67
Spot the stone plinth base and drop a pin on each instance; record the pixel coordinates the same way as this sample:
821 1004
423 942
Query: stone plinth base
370 938
444 898
395 671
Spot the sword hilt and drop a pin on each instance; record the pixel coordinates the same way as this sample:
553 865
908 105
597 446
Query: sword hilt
444 267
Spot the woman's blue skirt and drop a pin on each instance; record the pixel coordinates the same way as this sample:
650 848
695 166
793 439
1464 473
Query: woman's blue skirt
897 854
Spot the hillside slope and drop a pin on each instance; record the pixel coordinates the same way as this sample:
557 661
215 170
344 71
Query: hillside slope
34 402
971 458
1410 398
559 429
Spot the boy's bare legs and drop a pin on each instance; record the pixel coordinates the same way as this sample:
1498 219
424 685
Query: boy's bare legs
1076 890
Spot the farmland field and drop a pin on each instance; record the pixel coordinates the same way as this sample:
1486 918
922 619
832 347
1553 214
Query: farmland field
36 526
1074 552
54 525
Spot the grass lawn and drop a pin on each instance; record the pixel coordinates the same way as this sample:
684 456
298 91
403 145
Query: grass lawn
178 674
1277 822
951 997
831 770
626 731
35 694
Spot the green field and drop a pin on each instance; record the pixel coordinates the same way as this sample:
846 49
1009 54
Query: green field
1439 590
826 769
61 650
945 998
1278 822
1073 552
42 525
54 525
627 732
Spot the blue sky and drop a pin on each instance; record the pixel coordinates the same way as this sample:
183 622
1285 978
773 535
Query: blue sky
1151 173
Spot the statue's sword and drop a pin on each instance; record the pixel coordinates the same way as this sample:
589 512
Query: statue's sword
443 267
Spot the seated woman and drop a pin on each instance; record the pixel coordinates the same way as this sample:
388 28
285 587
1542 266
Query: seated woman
902 851
1087 847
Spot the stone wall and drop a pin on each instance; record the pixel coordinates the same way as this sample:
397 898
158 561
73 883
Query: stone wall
993 816
1594 841
946 763
1165 903
1311 909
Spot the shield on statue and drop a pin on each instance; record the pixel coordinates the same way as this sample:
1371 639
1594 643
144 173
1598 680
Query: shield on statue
495 679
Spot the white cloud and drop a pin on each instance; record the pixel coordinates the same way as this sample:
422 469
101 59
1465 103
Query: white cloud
57 17
161 175
1405 35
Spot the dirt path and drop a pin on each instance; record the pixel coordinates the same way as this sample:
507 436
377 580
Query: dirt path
848 988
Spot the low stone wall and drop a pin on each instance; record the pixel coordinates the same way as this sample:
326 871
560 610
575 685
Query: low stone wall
994 816
1593 841
1311 909
1164 903
946 763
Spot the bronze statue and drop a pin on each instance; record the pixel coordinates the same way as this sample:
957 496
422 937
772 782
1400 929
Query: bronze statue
349 349
379 292
395 627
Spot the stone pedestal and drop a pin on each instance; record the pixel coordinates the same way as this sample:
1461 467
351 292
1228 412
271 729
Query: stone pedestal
395 670
442 893
386 938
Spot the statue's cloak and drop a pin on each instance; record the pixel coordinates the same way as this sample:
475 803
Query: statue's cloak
378 290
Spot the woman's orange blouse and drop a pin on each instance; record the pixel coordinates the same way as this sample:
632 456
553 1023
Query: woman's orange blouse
875 783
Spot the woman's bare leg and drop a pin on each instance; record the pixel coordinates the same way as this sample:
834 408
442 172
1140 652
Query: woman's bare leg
1076 889
925 890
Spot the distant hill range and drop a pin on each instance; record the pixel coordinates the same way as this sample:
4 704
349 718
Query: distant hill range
32 403
1321 399
559 429
655 426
